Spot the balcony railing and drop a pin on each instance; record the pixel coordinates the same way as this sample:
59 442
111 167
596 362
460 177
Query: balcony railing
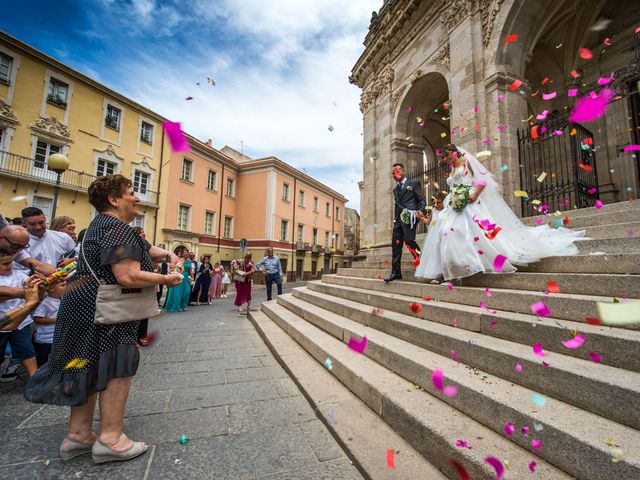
26 168
316 249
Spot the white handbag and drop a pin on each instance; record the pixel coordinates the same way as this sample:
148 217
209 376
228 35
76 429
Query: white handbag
117 304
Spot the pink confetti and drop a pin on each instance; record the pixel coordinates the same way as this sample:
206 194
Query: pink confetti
408 109
532 466
543 115
539 221
549 96
592 191
518 367
484 307
536 443
479 183
176 137
455 356
509 429
524 430
358 345
450 287
588 109
475 239
575 342
497 466
540 309
585 53
437 378
595 357
537 349
545 364
498 262
572 92
630 148
598 204
605 80
487 292
462 443
500 98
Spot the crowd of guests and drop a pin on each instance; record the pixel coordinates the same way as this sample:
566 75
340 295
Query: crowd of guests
50 291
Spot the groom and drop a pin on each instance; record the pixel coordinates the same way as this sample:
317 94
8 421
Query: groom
407 194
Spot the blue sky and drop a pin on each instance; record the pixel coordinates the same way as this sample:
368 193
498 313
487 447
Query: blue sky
280 67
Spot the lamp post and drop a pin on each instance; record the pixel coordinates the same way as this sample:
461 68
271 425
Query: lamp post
59 164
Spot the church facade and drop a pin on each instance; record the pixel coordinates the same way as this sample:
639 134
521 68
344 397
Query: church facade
500 77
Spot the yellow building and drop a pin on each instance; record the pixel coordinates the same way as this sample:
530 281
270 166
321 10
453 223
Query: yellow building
47 107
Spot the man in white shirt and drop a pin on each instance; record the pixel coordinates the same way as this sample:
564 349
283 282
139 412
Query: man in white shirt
47 246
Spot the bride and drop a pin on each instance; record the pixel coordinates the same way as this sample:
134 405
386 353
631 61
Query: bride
480 236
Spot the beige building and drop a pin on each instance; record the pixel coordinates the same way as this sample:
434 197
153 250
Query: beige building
216 198
435 72
351 234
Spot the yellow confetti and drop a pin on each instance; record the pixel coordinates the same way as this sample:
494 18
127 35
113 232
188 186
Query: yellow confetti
484 153
611 442
542 176
558 213
617 455
77 363
411 145
535 202
443 135
624 313
527 119
573 131
521 193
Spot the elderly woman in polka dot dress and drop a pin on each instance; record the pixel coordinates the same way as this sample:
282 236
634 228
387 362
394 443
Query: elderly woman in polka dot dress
87 359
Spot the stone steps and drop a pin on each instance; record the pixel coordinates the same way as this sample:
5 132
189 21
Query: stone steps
477 397
590 212
358 428
623 346
607 263
594 387
429 424
579 283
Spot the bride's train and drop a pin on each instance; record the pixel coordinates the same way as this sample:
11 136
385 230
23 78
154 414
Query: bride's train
477 239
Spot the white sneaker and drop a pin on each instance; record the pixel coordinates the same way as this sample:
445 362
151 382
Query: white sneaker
11 373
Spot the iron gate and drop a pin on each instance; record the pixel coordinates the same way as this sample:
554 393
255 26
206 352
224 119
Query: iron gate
569 161
433 178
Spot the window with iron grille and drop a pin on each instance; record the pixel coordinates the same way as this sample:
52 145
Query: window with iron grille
43 150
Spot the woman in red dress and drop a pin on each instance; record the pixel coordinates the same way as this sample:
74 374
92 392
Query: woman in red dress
241 271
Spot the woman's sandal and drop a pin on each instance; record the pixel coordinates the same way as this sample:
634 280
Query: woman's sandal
102 454
74 449
143 342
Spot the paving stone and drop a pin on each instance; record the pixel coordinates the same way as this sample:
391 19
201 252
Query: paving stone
341 469
286 387
202 397
319 439
234 456
257 373
184 356
180 380
257 415
221 364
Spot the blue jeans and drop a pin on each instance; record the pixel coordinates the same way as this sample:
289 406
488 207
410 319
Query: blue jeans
273 277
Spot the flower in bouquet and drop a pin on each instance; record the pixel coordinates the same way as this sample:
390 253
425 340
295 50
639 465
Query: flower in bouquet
460 197
405 216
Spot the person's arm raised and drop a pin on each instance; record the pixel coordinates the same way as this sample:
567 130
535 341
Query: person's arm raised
43 268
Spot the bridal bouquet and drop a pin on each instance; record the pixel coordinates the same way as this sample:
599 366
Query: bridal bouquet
460 197
405 216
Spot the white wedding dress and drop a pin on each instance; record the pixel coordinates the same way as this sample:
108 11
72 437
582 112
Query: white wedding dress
457 247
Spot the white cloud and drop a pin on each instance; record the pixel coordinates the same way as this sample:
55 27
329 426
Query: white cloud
279 87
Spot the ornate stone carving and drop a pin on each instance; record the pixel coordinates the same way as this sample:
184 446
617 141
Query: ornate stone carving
454 12
52 128
380 85
442 57
489 10
7 117
143 163
395 99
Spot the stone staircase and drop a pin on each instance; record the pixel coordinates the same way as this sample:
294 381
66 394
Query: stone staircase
585 414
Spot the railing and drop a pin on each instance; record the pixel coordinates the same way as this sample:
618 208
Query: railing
569 162
433 178
27 168
316 249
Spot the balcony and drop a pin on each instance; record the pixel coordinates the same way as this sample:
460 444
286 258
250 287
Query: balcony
302 247
24 168
316 249
327 251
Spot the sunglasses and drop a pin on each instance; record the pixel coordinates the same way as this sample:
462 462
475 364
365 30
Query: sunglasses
16 246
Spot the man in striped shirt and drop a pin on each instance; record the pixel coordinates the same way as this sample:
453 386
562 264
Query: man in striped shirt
273 271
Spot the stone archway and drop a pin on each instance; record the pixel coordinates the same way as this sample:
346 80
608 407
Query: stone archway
421 127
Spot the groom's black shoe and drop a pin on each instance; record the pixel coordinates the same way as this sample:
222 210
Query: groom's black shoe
392 277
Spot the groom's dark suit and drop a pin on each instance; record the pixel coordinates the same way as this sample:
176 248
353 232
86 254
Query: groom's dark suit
407 195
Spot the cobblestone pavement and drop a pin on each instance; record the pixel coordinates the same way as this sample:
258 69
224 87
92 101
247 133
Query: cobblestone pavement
208 376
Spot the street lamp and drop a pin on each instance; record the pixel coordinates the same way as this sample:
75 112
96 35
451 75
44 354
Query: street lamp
59 164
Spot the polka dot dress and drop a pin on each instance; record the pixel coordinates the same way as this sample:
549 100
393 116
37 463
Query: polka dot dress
103 351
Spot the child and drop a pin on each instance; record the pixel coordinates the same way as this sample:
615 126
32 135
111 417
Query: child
434 213
226 280
45 316
15 315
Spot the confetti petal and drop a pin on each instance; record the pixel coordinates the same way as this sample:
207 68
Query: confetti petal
630 148
358 345
588 109
176 137
537 349
511 38
595 357
390 458
461 470
598 204
515 85
437 378
540 309
539 399
509 429
549 96
572 92
624 313
498 262
497 466
536 444
518 367
521 193
553 287
575 342
487 292
532 466
415 307
585 53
